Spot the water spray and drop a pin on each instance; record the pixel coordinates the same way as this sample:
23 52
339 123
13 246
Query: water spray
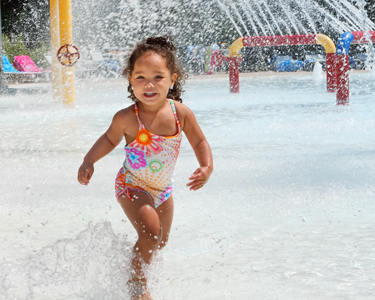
367 37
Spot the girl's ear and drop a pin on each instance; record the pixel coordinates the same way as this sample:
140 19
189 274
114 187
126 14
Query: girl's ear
174 77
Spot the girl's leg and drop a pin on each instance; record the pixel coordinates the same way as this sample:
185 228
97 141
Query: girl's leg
150 224
165 213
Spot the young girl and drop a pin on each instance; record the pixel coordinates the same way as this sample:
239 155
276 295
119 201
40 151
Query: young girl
152 128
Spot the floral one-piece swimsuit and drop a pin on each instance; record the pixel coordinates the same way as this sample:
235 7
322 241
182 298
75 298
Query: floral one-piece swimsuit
150 162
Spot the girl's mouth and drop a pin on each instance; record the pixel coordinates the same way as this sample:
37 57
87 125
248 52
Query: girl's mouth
149 94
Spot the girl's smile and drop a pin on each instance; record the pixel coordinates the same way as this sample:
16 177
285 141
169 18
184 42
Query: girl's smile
149 95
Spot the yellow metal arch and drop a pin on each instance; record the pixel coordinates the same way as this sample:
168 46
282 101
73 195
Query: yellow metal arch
235 48
326 42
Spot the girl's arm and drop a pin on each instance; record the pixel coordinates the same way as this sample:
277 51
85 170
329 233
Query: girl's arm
201 149
104 145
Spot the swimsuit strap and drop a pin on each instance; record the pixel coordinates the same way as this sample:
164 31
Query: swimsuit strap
175 115
141 126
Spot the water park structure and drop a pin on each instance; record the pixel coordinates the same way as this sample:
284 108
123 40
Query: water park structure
337 58
286 40
342 61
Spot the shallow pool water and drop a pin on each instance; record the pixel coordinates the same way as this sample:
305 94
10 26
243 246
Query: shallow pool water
288 212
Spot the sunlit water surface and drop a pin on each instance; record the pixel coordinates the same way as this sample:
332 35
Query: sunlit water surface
288 212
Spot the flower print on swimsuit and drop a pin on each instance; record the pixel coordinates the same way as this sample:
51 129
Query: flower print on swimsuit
148 142
166 193
136 158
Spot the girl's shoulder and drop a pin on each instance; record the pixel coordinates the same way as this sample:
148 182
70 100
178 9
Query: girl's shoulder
181 108
125 116
184 113
126 112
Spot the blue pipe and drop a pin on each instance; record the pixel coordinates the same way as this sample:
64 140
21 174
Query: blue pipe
344 42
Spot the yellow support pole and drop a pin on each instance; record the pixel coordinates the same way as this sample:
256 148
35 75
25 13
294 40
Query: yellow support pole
66 37
55 45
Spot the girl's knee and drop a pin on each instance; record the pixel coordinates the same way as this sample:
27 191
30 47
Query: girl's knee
149 223
150 234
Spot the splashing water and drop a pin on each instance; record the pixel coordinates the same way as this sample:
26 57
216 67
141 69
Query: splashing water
281 17
369 63
289 205
95 264
122 23
318 72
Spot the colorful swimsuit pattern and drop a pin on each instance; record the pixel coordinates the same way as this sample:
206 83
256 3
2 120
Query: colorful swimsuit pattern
149 164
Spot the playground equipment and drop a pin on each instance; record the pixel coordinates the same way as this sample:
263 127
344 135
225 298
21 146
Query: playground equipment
68 55
342 62
337 59
285 40
61 34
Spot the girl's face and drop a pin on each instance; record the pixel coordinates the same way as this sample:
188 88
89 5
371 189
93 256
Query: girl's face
151 78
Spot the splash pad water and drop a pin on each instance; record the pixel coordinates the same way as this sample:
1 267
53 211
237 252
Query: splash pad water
289 205
288 213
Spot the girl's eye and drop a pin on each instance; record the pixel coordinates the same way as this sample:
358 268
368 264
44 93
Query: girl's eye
140 77
159 77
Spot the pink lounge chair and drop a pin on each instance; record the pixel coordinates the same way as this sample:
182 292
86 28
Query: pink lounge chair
24 63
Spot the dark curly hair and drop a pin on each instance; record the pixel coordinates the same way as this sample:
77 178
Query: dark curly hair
163 46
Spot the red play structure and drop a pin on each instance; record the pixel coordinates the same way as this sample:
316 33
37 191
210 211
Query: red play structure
337 60
342 62
285 40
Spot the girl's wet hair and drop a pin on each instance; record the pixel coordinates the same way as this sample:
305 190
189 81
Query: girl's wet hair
164 47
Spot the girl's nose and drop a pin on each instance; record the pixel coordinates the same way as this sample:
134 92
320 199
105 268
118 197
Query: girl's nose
149 85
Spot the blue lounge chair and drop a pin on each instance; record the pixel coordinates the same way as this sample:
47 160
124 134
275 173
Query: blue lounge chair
8 67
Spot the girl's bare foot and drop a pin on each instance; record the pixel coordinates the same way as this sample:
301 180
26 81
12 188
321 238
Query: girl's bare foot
138 290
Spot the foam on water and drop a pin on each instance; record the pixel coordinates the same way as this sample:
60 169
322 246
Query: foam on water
287 214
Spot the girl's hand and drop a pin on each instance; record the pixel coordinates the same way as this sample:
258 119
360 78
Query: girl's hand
85 173
199 178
